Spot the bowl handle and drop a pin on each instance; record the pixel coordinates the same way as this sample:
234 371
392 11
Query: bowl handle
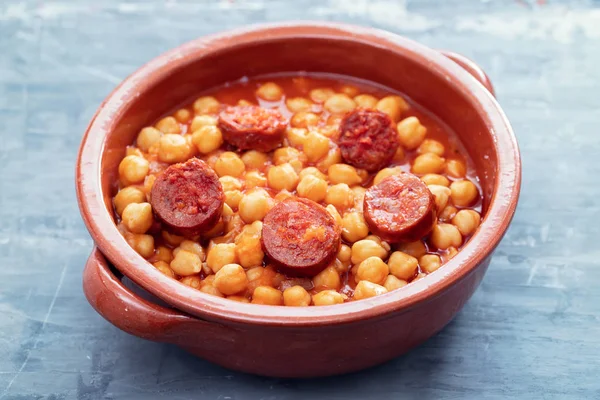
131 313
471 67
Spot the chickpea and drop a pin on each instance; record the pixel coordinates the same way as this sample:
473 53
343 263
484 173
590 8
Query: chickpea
233 198
147 138
343 173
313 188
137 217
312 171
339 104
287 154
133 151
296 136
207 139
394 106
304 119
296 296
168 125
456 169
221 254
430 262
280 177
201 121
148 183
329 278
335 214
359 197
239 299
206 105
327 298
340 196
451 252
171 239
255 159
128 196
428 163
447 213
173 148
344 253
385 173
435 179
254 205
231 279
441 194
393 283
133 169
445 235
163 254
248 247
267 295
366 289
230 164
431 146
298 104
210 289
270 91
402 265
414 249
366 248
182 115
192 247
164 268
315 146
282 195
463 193
193 281
411 133
255 179
354 227
186 263
321 95
143 244
372 269
466 221
230 183
366 101
334 156
376 239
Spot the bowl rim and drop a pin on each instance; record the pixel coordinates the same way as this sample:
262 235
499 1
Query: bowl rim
107 237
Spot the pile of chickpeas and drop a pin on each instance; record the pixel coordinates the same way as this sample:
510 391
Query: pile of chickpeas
228 261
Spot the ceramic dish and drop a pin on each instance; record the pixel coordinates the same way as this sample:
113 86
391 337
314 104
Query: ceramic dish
294 341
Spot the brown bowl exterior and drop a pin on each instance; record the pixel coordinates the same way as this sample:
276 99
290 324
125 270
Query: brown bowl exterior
296 341
287 352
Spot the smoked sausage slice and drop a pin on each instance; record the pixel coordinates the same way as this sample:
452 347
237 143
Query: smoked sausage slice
252 127
367 139
300 237
400 208
187 198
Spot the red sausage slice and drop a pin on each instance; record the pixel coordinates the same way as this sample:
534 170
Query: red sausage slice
400 208
367 139
300 237
252 127
188 198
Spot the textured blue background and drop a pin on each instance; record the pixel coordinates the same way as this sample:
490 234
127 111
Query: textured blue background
532 329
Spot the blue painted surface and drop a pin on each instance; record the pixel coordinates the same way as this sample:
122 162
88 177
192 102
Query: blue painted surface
531 331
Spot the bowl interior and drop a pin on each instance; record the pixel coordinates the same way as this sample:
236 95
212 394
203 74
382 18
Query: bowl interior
341 56
425 75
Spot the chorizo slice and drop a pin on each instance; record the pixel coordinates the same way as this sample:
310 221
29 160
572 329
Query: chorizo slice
300 237
187 198
252 127
367 139
400 208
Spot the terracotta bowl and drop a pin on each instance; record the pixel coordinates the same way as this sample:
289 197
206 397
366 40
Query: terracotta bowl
290 341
